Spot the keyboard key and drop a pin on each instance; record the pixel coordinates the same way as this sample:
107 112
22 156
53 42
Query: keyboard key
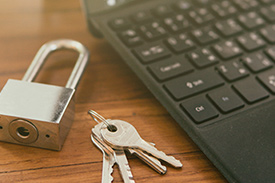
151 52
271 52
203 57
246 4
162 10
266 1
170 67
119 24
201 15
152 30
268 79
194 83
228 27
269 33
176 23
130 37
203 2
182 5
269 13
180 43
257 62
251 90
251 20
205 35
227 49
226 99
232 71
142 17
223 8
251 41
200 109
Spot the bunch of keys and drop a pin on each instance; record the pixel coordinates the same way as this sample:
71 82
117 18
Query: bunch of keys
113 137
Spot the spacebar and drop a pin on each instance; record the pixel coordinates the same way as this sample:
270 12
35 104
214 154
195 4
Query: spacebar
192 84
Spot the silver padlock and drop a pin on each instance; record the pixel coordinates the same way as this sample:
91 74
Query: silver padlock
36 114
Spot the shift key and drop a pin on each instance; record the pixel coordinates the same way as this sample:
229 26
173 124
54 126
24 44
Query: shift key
192 84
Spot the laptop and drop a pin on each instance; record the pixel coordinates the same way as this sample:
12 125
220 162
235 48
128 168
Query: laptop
211 64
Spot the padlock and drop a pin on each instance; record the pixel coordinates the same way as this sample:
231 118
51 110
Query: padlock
40 115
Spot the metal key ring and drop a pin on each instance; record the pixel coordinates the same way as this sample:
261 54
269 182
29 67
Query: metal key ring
98 118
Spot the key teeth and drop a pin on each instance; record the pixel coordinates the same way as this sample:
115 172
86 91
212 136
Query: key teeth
111 177
130 175
177 163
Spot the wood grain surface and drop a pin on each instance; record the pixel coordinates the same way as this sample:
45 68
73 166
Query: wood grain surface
108 86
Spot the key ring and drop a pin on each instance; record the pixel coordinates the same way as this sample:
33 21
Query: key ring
98 118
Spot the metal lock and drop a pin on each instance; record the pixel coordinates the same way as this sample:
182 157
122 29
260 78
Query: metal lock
40 115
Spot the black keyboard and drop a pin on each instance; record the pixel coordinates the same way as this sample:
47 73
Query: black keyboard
210 57
210 63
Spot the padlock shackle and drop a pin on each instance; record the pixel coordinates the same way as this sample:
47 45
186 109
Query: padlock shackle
55 45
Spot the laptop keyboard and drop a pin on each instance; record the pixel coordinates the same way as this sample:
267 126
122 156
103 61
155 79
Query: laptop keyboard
221 49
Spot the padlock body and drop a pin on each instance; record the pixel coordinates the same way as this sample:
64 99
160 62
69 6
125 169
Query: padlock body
35 114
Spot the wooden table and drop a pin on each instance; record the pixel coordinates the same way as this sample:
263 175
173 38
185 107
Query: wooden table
108 86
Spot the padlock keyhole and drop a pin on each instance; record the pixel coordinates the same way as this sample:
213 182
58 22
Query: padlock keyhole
23 132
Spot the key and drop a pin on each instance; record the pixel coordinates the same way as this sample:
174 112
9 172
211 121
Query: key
251 20
270 52
151 161
268 79
201 15
269 13
170 68
130 37
227 49
152 30
203 57
246 4
205 35
142 16
123 166
257 62
176 23
180 43
269 33
203 2
119 158
108 159
126 136
228 27
251 41
226 99
192 84
251 90
223 8
182 6
162 10
266 1
119 24
151 52
232 71
200 109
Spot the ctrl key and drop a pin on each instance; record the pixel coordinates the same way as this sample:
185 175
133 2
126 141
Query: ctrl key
200 109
